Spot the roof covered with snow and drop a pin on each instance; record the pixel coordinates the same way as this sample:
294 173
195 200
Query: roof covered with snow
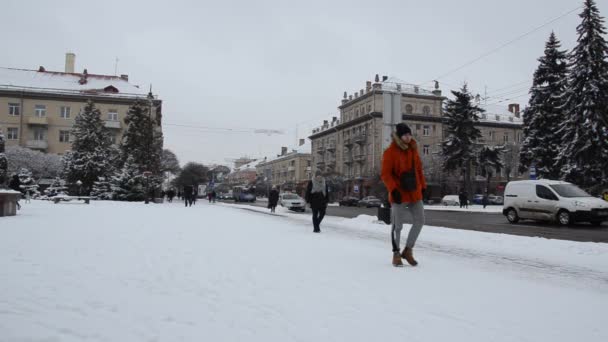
67 83
499 114
398 85
306 148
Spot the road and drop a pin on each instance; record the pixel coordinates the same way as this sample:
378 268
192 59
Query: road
488 222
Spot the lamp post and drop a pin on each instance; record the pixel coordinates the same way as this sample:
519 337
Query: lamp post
147 174
79 183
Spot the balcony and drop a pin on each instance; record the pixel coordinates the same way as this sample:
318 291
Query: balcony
38 120
331 146
359 158
347 159
291 168
37 144
321 149
348 142
320 164
112 124
308 168
360 139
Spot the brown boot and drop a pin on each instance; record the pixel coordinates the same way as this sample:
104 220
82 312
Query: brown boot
408 255
397 260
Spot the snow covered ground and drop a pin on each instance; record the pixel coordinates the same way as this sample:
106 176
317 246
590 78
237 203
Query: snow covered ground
113 271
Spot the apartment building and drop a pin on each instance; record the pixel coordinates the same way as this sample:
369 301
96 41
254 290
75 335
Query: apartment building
352 145
38 107
289 169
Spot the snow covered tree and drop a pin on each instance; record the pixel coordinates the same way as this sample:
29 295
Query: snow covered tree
129 184
169 162
545 112
42 165
3 161
490 161
27 182
102 189
459 149
583 158
88 160
142 143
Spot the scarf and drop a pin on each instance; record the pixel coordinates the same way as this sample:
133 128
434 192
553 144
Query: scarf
319 186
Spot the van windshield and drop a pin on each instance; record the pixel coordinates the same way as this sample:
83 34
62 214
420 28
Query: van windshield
569 190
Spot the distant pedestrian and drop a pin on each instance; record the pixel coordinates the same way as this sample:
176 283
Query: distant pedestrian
466 200
461 198
15 184
317 196
484 199
213 196
273 199
187 193
404 179
170 195
209 196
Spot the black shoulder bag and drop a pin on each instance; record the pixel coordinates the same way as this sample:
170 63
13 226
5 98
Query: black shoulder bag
408 179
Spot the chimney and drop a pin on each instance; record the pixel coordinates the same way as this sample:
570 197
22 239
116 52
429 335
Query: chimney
384 78
368 86
350 97
345 98
125 77
325 122
41 69
334 119
283 150
356 94
301 142
70 60
514 108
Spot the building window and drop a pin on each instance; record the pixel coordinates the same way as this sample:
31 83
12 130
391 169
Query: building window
409 109
492 135
506 137
39 134
426 131
14 109
426 110
65 112
40 111
426 150
12 133
113 115
369 108
64 136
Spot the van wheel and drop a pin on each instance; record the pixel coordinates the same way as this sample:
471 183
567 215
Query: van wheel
512 215
563 218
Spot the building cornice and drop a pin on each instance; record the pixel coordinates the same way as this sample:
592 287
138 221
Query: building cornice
345 125
74 97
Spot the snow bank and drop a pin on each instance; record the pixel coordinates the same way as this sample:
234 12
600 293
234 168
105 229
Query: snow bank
133 272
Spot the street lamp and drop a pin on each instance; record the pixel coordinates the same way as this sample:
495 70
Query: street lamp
79 183
147 174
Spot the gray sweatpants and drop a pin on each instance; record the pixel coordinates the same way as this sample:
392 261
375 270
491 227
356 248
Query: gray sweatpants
398 215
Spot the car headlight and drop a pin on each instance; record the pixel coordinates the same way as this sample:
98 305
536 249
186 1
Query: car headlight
580 204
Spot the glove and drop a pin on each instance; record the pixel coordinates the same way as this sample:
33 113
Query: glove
396 196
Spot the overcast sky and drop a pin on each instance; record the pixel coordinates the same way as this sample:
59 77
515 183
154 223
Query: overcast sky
245 65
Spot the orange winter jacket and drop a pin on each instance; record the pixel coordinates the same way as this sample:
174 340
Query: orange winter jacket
397 159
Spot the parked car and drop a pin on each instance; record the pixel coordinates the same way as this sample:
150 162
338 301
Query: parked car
292 202
370 202
478 199
349 201
494 199
551 200
450 200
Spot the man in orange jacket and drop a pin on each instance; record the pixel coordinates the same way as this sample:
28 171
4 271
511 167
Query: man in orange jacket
402 175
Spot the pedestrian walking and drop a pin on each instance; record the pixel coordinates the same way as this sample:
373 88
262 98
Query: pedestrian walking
466 200
187 193
461 198
170 195
403 177
273 199
484 199
213 196
317 197
15 184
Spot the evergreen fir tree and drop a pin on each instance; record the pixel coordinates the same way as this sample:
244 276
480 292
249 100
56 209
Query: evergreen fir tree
88 160
129 184
143 143
545 112
490 161
459 149
584 156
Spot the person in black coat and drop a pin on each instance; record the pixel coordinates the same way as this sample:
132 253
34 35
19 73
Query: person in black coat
188 192
317 196
273 199
15 184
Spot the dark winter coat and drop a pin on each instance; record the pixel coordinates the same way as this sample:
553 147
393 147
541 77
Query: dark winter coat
188 192
317 200
399 158
273 198
15 184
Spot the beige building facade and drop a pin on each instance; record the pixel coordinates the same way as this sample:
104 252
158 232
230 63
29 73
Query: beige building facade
288 169
38 107
352 145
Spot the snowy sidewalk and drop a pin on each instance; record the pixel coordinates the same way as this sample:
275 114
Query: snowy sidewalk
130 272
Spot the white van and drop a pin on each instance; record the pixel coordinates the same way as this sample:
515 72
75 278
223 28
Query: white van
550 200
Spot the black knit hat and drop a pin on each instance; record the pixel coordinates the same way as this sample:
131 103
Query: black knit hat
403 129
